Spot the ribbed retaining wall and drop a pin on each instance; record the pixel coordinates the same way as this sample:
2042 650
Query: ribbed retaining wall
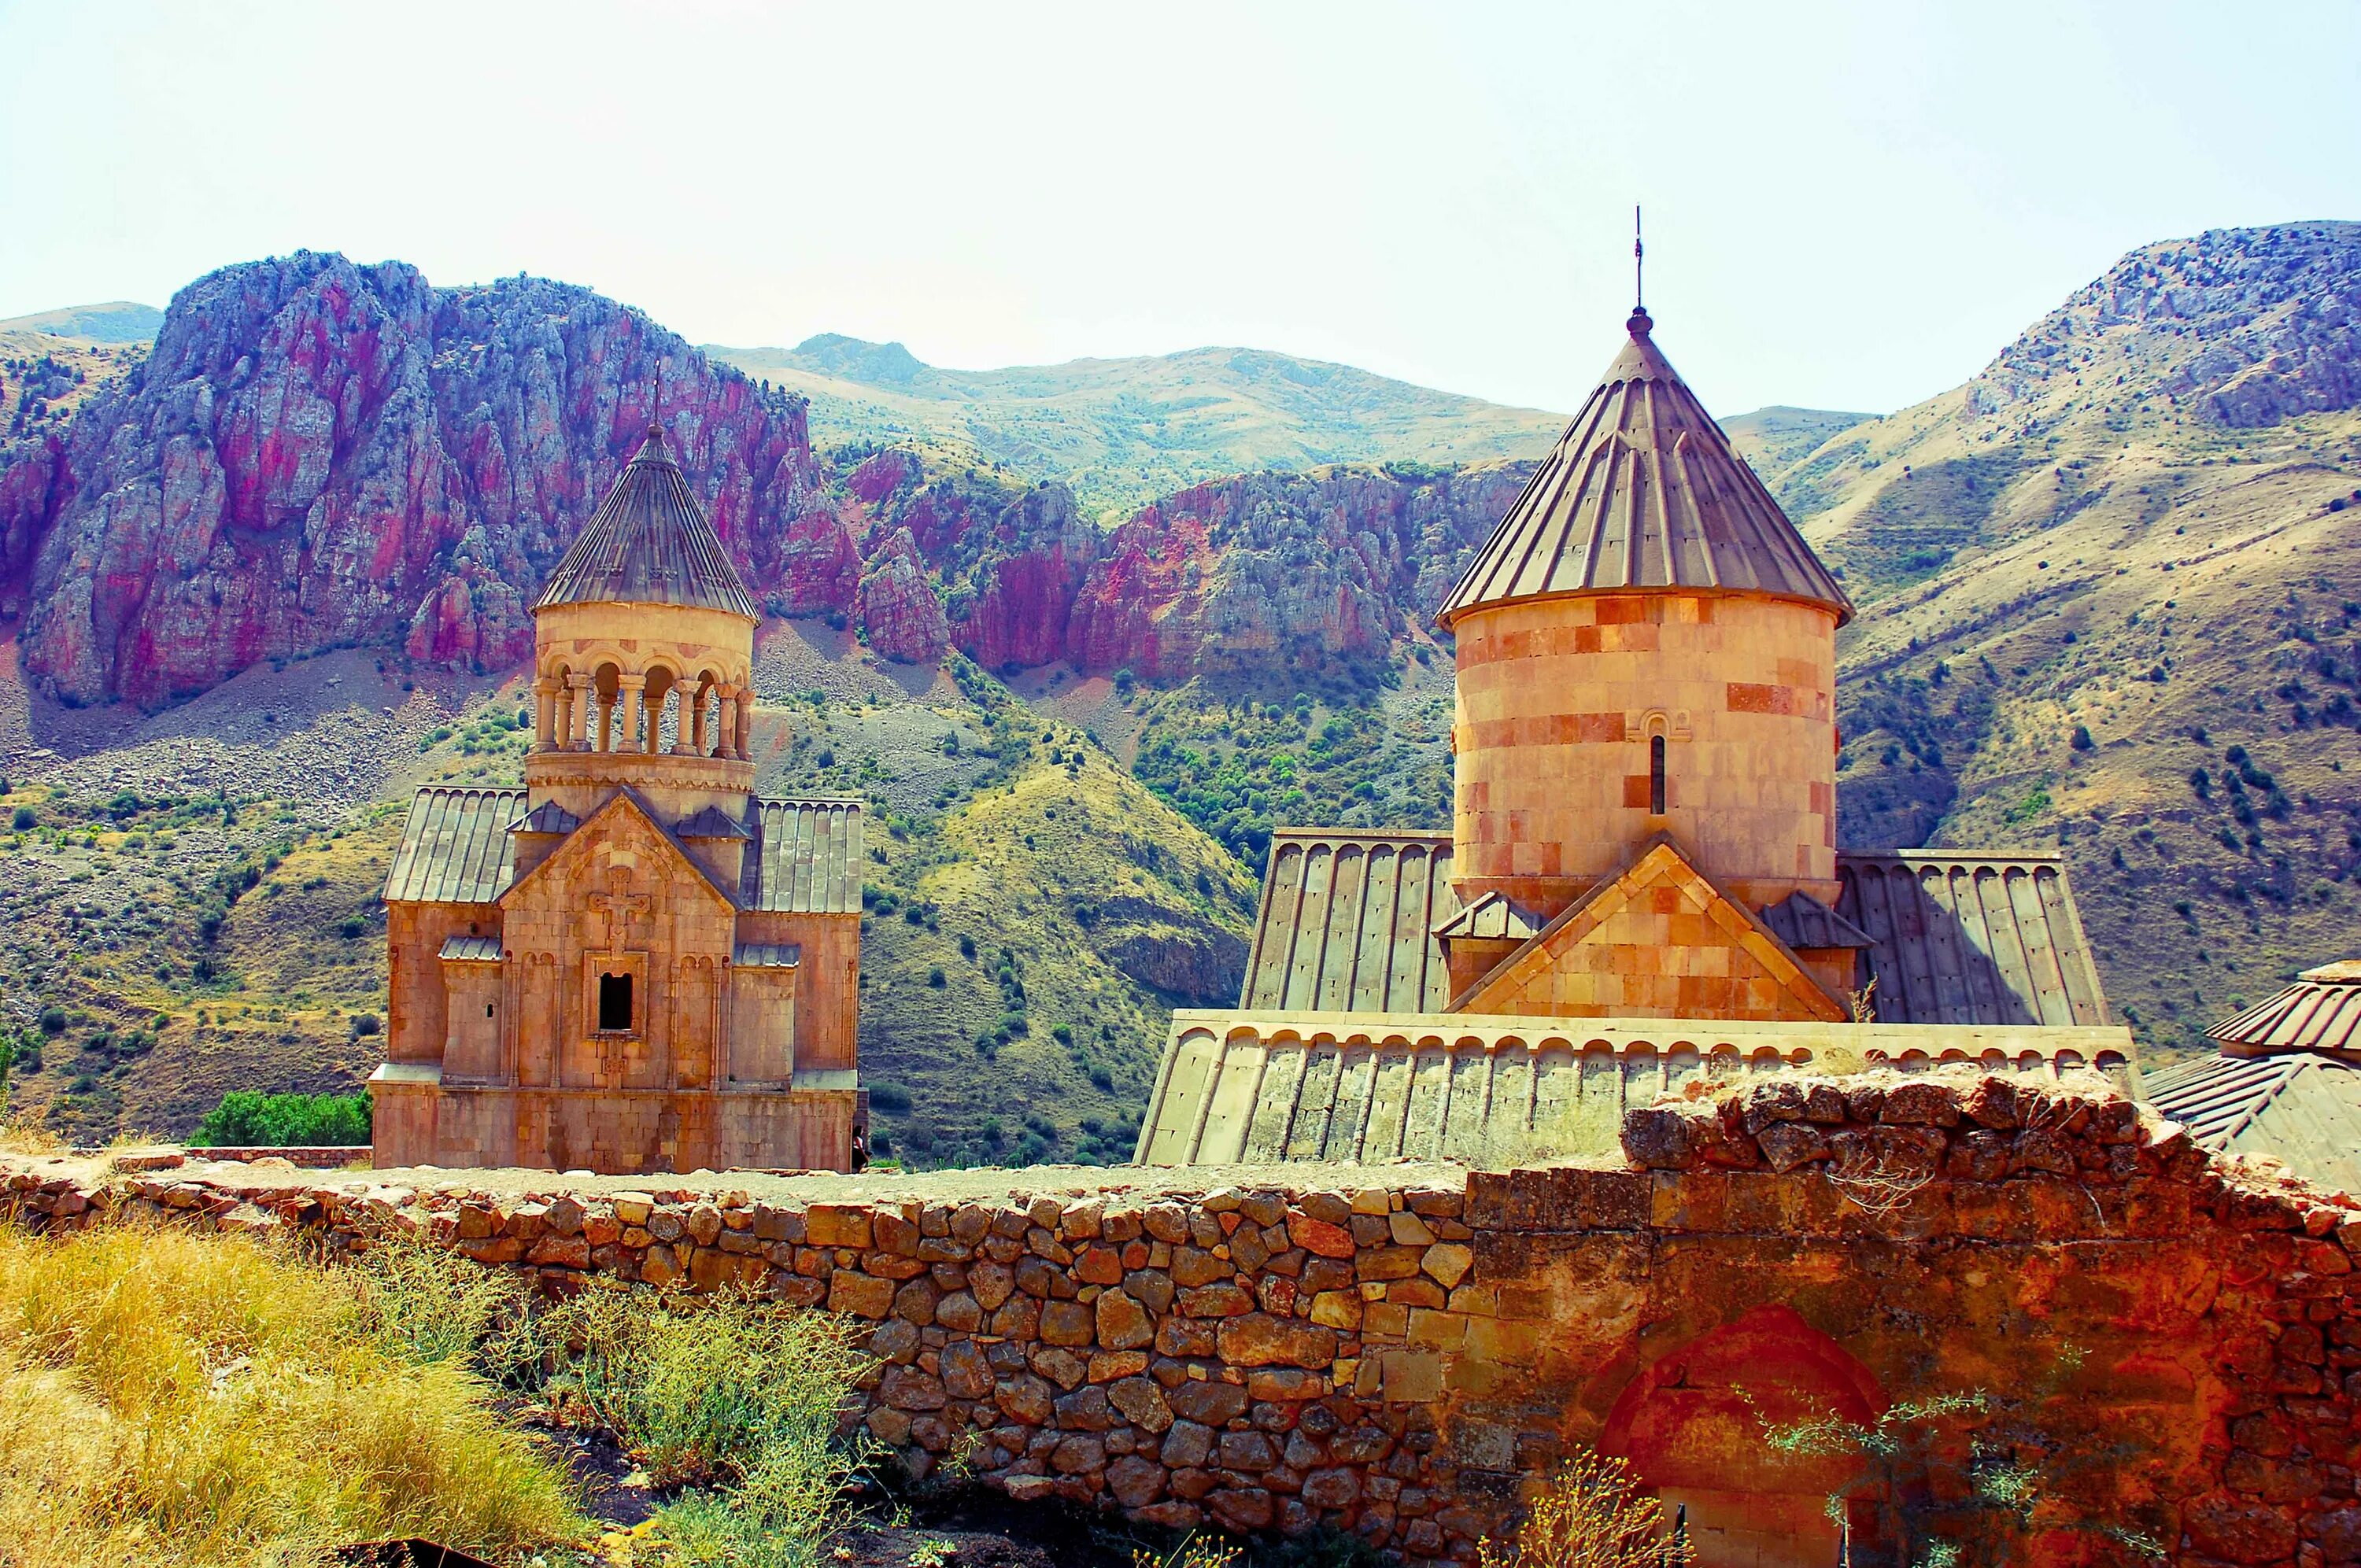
1282 1347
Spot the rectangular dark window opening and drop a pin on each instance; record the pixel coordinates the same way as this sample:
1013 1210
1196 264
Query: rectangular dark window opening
614 1002
1655 775
488 1009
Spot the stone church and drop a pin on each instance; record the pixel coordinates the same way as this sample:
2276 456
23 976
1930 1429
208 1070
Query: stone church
1642 886
634 963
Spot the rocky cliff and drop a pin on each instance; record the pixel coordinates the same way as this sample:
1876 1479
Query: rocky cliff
317 454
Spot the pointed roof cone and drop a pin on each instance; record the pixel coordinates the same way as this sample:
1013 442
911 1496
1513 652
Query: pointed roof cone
1643 491
649 543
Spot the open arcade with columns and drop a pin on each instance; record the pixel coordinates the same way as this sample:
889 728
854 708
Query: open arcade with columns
634 964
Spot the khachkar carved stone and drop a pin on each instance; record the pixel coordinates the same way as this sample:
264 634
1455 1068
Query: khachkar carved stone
614 969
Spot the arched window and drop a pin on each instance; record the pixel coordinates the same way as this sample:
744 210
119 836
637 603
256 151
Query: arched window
615 1004
1655 775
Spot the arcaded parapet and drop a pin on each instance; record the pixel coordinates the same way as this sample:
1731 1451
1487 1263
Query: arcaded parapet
1587 725
1399 1354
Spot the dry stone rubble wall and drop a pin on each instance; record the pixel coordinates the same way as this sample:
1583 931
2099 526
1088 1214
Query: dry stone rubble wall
1397 1358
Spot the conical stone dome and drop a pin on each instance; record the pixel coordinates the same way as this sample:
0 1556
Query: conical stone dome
1643 491
649 543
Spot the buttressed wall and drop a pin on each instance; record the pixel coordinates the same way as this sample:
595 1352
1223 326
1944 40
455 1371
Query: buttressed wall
1403 1354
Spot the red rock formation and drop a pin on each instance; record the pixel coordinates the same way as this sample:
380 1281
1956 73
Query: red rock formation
897 609
317 453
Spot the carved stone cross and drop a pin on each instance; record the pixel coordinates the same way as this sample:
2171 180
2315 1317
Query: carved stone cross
620 908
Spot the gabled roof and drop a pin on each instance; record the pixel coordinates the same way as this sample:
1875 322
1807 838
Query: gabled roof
1582 963
1643 491
455 847
458 950
547 817
2320 1012
1953 938
1971 938
805 858
1492 918
1347 923
626 799
711 822
2301 1109
1803 921
649 543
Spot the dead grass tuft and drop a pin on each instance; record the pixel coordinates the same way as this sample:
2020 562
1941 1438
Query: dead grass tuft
175 1399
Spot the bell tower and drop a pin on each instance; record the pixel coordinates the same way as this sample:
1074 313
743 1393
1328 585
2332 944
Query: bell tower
644 665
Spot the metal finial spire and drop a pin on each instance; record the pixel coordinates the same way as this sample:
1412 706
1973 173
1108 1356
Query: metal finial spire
1639 254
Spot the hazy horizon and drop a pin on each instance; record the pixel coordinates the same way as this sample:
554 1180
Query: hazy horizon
1848 206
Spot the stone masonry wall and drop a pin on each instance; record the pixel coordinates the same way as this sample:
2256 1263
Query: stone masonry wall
1397 1354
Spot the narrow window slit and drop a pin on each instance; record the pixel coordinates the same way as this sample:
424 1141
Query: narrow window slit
1655 775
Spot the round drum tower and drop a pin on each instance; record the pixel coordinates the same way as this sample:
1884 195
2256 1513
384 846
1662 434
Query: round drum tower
1645 646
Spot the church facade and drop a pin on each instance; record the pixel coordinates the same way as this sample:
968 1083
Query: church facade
1641 887
634 963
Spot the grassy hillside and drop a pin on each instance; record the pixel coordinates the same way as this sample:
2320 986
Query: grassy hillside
1033 911
1122 431
117 321
2110 607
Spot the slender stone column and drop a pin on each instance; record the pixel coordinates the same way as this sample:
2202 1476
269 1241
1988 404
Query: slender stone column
683 738
726 743
745 724
580 699
634 689
544 714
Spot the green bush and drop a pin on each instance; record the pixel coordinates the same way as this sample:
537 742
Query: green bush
24 819
247 1118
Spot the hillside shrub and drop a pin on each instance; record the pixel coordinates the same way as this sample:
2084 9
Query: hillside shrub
248 1117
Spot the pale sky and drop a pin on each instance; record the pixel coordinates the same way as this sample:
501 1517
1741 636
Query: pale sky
1849 205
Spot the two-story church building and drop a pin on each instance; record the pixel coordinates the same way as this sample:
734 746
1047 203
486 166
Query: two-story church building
634 964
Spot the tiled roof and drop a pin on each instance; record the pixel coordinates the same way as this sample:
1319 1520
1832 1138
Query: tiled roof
1802 921
1971 938
1493 917
1643 491
805 858
2302 1108
1347 923
547 817
470 949
455 847
712 822
768 955
649 543
1256 1087
2320 1012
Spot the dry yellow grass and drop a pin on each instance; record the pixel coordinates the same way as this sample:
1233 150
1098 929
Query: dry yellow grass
183 1400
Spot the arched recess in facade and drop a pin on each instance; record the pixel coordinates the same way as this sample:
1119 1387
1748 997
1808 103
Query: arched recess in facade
1693 1425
